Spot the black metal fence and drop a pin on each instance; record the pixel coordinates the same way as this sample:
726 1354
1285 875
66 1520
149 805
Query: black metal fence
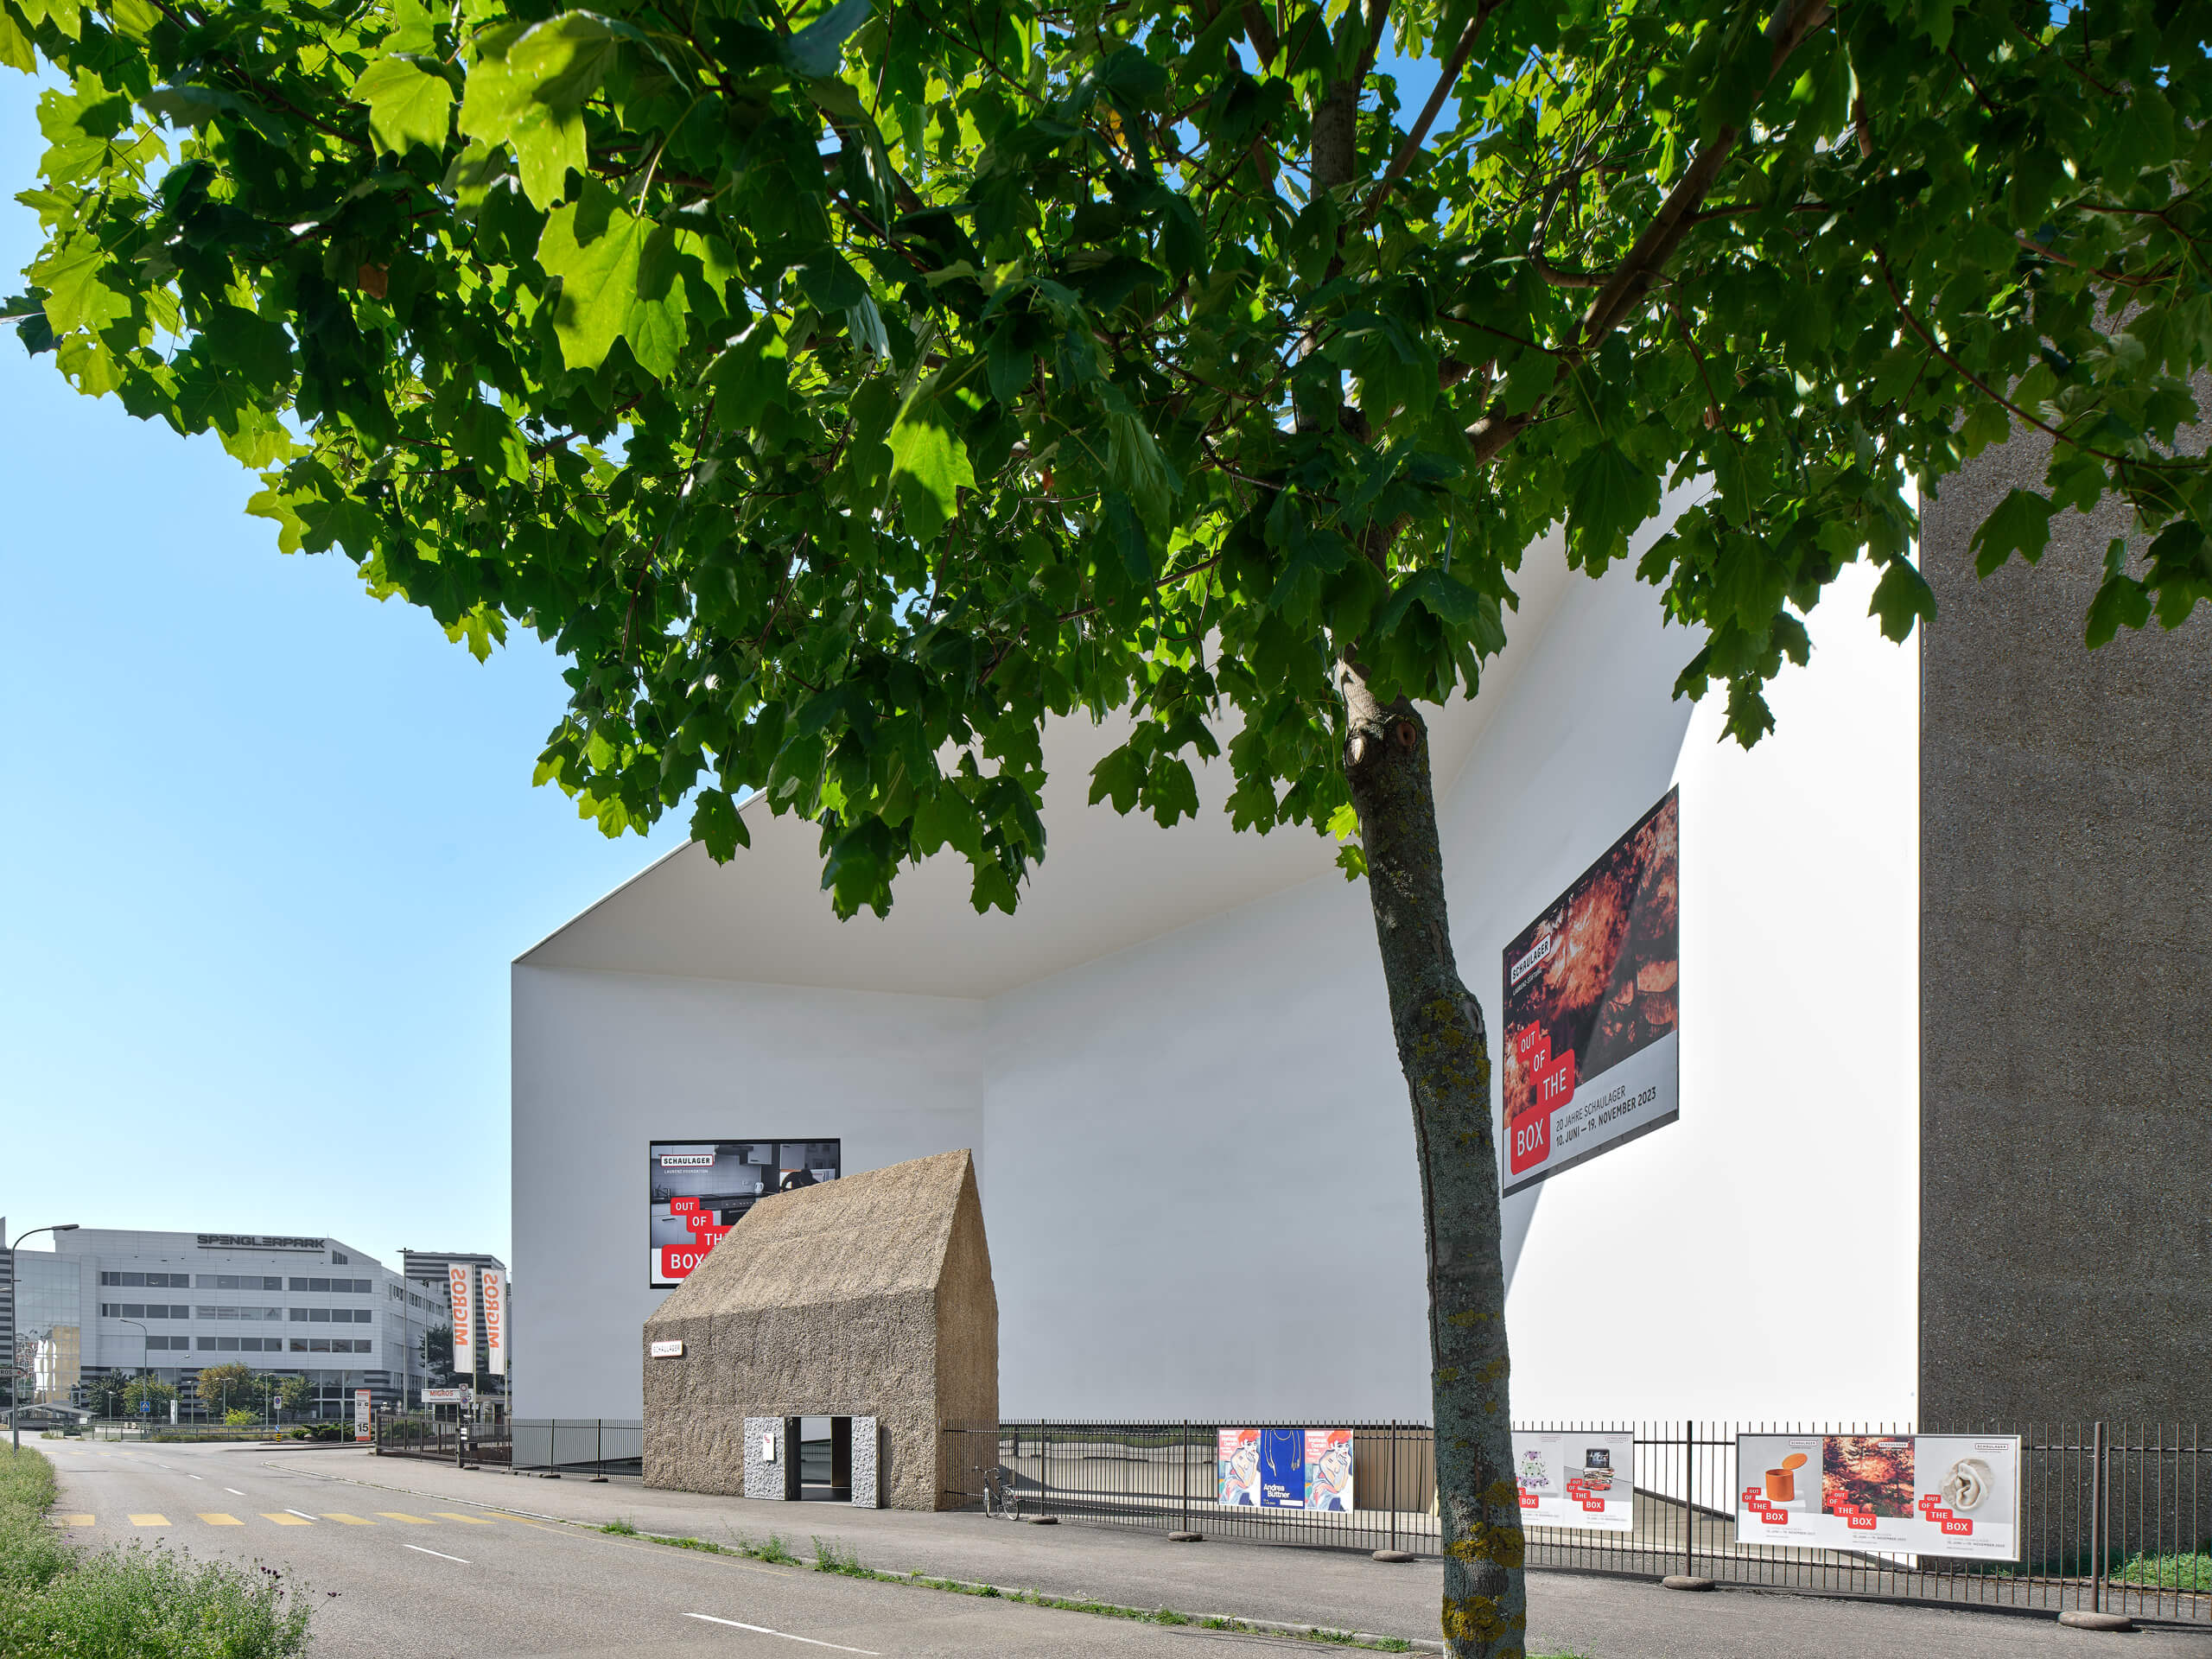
585 1446
2111 1517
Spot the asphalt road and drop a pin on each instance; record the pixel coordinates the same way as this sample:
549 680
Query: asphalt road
441 1580
430 1561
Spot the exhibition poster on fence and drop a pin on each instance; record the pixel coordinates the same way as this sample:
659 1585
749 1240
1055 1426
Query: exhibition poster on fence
1581 1480
1929 1494
1284 1468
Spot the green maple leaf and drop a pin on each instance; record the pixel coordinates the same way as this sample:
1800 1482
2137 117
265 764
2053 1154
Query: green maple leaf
593 245
409 102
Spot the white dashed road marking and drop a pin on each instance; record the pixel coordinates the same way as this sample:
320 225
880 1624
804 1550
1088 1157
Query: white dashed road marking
440 1554
762 1630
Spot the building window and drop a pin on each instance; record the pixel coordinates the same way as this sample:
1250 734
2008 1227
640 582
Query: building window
299 1316
206 1344
339 1259
318 1316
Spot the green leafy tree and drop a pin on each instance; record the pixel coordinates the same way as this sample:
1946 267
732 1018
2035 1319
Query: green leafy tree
437 1355
148 1392
218 1388
295 1395
104 1395
846 392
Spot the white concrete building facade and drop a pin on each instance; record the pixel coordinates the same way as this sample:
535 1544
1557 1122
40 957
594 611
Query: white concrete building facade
172 1303
1174 1064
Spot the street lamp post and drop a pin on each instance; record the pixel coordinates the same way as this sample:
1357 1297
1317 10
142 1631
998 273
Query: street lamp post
14 1389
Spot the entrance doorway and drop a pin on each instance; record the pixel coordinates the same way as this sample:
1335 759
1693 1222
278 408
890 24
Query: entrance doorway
824 1464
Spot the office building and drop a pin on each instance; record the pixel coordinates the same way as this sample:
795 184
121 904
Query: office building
109 1301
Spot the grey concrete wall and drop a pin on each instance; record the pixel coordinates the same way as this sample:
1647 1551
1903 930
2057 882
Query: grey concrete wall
2066 976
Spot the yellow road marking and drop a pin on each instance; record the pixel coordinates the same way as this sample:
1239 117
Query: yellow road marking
350 1520
69 1521
150 1520
411 1520
288 1520
466 1519
218 1519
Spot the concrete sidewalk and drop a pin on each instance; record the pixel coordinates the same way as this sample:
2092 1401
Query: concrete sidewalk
1569 1613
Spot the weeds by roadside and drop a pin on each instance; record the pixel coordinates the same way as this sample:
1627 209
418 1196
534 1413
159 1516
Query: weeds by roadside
131 1603
773 1548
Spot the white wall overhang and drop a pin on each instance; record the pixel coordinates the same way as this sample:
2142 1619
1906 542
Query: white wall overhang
1106 883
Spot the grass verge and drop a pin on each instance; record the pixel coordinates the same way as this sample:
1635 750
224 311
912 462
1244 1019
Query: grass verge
771 1548
60 1603
831 1557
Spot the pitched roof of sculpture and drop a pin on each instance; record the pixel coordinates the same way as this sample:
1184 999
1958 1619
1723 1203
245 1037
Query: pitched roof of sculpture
884 1232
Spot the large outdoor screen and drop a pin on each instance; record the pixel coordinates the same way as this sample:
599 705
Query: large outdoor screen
1592 989
700 1188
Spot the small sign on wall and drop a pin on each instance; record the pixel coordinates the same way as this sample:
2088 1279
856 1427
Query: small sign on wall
667 1350
767 1448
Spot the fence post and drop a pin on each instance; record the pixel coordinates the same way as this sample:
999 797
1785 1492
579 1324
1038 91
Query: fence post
2097 1519
1689 1499
1186 1474
598 1445
1393 1483
1044 1467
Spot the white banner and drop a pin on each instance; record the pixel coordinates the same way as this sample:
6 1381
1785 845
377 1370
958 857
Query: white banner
495 1322
464 1320
1929 1494
1578 1479
361 1413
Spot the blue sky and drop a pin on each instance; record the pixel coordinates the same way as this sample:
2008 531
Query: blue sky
268 848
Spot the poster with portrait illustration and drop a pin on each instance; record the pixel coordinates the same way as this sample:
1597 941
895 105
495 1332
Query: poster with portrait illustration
1583 1480
1592 1008
1284 1468
1928 1494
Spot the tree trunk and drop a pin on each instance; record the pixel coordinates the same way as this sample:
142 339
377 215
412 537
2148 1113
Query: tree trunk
1444 1052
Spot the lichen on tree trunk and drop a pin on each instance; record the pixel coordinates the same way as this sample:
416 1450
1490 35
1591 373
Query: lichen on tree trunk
1444 1052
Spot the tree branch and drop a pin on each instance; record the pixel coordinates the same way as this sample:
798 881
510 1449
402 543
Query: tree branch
1929 340
1378 16
1447 79
1786 30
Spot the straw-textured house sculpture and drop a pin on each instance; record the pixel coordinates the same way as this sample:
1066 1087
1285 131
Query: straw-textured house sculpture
867 1300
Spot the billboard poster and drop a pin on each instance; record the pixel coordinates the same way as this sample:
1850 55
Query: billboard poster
464 1320
1238 1459
361 1413
1328 1469
1284 1468
1592 1008
1926 1494
495 1322
1581 1479
699 1189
